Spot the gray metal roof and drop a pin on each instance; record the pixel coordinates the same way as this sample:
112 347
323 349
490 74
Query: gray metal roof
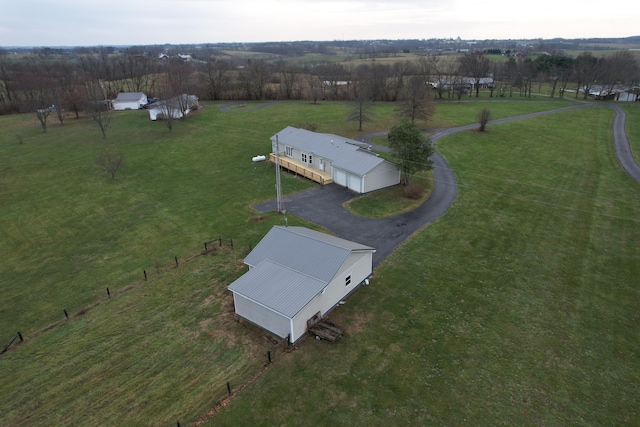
291 265
310 252
344 153
277 287
130 96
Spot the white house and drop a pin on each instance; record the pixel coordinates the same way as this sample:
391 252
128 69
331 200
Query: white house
129 101
348 162
297 274
177 107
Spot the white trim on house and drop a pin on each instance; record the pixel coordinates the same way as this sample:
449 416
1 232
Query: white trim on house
350 163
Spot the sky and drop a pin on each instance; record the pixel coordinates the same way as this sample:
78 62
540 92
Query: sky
146 22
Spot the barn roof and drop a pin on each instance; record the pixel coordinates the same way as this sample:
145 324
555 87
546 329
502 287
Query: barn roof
291 265
344 153
278 287
311 252
130 96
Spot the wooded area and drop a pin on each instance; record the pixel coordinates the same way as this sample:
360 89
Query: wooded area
79 80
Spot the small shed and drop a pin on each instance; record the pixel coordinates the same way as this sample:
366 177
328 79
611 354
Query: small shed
129 101
296 276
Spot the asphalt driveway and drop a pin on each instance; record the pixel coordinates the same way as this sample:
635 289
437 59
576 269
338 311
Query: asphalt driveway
323 205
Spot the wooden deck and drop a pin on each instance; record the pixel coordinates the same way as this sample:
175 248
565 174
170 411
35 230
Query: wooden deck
301 169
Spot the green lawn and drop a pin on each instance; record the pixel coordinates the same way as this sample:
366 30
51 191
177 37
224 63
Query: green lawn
633 127
518 307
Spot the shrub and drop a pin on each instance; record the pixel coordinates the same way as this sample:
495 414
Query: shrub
413 191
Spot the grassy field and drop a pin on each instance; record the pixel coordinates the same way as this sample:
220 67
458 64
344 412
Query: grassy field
519 306
633 128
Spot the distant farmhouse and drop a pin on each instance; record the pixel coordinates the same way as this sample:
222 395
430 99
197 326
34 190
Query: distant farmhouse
327 158
129 101
296 277
468 83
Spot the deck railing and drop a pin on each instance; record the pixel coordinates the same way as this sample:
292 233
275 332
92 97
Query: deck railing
300 169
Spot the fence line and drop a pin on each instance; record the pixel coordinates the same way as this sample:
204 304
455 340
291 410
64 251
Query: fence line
146 277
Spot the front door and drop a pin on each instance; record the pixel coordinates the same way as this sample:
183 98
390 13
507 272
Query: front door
321 167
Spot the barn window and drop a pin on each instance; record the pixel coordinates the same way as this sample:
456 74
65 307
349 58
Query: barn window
289 151
347 281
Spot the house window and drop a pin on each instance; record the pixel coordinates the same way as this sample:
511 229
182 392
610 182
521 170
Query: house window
289 151
347 281
310 159
304 158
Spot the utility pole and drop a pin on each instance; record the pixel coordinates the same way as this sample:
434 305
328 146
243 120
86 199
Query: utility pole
278 188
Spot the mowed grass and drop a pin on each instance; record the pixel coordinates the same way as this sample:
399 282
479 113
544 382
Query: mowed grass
161 351
518 307
633 127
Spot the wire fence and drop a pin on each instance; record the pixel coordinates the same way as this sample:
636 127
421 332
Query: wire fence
159 268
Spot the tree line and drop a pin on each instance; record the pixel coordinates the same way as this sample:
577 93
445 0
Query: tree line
53 84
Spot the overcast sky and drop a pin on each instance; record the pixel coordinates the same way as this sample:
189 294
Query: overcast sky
130 22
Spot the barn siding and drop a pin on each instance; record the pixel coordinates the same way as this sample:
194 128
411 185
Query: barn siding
262 316
358 265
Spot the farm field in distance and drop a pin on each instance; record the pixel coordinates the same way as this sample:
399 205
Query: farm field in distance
518 306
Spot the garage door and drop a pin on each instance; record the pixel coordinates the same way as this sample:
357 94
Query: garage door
354 183
340 177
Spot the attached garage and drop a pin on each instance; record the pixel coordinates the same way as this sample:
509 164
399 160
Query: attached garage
354 183
340 177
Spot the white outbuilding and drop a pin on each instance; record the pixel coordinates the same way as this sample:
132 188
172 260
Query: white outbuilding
130 101
296 275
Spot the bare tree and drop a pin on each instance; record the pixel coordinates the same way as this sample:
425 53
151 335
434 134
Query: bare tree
288 74
139 72
483 118
619 68
315 87
110 162
361 108
37 89
217 77
334 75
476 65
255 77
97 105
586 69
416 102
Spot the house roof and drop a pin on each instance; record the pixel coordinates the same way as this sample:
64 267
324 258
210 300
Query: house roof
344 153
291 265
130 96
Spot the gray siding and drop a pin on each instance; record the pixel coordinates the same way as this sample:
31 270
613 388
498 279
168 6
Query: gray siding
358 266
262 316
384 175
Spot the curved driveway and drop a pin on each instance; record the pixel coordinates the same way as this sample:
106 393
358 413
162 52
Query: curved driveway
323 205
